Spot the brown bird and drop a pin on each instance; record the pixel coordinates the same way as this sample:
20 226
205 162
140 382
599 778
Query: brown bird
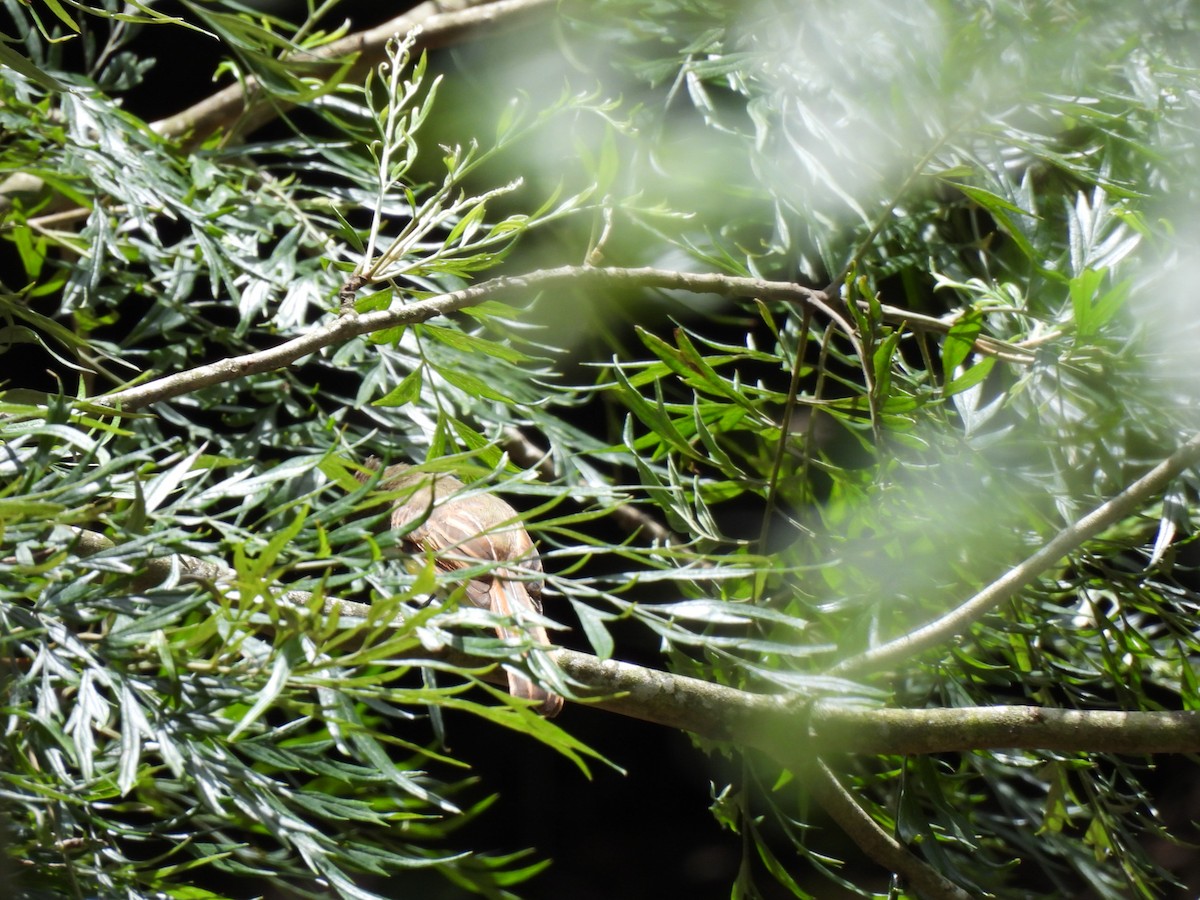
463 531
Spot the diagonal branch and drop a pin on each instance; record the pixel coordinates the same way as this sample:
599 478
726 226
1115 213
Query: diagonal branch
1008 585
836 799
441 22
351 324
246 106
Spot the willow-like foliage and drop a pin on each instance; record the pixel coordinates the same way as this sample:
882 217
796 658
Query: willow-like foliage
948 311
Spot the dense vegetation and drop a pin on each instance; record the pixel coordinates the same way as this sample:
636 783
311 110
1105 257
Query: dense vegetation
840 358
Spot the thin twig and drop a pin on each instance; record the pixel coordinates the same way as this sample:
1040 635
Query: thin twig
631 519
1005 351
962 617
885 214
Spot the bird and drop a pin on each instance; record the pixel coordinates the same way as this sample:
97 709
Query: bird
461 531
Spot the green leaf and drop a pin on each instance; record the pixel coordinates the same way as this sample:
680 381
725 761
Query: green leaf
63 15
473 385
594 628
19 63
653 416
469 343
1002 211
407 391
281 671
993 203
881 364
971 377
1092 309
959 342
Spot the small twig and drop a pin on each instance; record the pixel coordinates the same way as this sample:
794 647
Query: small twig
157 570
1004 351
885 214
784 444
962 617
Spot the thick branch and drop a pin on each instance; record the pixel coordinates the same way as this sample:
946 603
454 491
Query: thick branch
247 107
775 723
857 729
1008 585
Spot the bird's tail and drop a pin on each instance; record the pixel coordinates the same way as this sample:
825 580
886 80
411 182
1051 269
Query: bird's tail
510 599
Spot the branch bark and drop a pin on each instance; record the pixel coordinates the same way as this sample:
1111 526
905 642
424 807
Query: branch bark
789 731
857 729
244 107
876 843
351 324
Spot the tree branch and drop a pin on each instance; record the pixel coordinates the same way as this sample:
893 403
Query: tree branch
247 107
441 22
787 731
959 619
876 843
1005 351
856 729
351 324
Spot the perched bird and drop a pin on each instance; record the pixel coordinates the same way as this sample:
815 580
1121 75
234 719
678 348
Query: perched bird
462 531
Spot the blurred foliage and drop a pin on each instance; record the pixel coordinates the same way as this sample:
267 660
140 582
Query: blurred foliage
999 191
